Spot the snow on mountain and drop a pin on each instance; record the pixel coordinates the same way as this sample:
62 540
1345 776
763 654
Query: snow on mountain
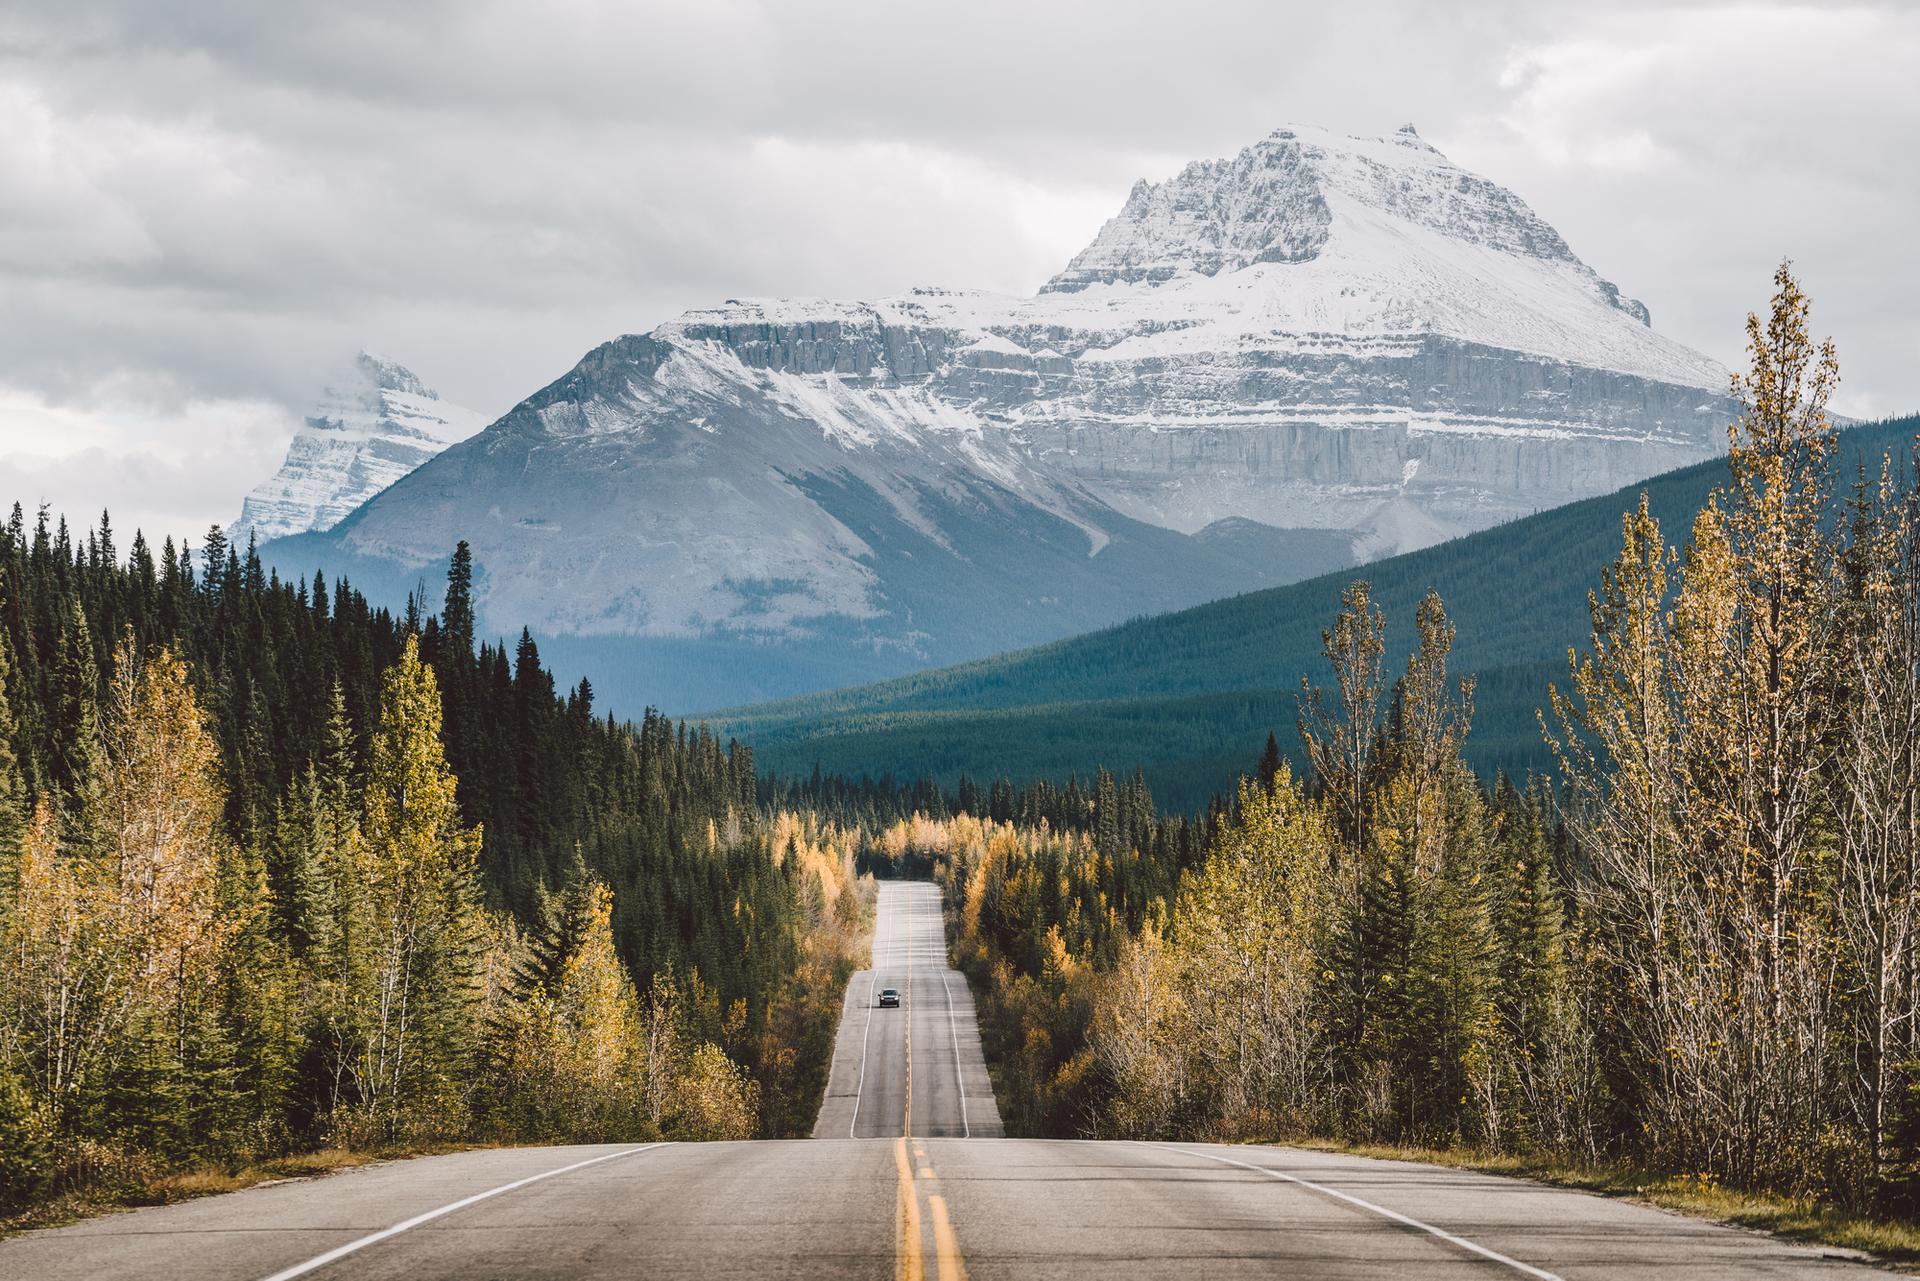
1322 350
1360 237
370 428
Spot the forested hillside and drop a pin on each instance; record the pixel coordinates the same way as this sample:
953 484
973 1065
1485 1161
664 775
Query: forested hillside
1192 696
1697 954
278 869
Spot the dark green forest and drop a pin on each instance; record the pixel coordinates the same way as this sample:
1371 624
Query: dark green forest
279 869
538 772
1192 696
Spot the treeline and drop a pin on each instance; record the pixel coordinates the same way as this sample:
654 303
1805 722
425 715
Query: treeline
891 817
1130 990
279 869
1699 956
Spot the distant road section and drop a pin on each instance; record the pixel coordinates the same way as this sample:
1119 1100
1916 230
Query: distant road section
916 1070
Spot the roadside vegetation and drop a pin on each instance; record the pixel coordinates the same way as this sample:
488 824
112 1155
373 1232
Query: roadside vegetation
1688 968
281 874
1888 1237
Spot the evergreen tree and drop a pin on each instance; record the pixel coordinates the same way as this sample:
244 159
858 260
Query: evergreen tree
258 1004
1107 829
456 623
13 792
560 924
73 744
1270 761
214 553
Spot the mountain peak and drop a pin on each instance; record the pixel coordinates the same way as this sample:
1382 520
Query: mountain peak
372 425
386 374
1302 188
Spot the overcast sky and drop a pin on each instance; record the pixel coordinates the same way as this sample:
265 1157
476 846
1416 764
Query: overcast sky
208 205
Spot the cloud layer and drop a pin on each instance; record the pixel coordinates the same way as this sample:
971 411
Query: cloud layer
205 205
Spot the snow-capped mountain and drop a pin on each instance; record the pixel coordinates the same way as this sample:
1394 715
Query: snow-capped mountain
370 428
1319 351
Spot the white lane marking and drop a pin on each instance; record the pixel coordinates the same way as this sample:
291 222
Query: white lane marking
913 941
833 1063
913 934
861 1084
893 934
966 1130
1525 1268
893 953
340 1252
953 1023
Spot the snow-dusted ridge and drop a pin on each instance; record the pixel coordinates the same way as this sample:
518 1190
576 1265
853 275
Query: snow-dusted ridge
371 427
1307 237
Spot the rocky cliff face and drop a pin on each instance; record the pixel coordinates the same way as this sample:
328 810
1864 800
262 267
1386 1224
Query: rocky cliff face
369 429
1324 349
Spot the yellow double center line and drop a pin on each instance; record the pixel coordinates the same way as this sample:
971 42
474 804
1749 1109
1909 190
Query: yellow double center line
910 1257
910 1253
908 1265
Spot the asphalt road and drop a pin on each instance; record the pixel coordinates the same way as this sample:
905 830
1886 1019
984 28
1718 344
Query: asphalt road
918 1199
916 1070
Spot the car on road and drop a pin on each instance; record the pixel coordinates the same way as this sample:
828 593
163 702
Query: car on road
889 996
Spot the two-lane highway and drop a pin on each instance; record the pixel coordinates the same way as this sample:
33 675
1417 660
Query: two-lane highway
894 1188
915 1070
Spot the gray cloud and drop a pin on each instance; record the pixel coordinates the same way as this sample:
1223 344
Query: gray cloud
204 204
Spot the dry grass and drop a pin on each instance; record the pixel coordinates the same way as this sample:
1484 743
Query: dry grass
193 1183
184 1185
1888 1241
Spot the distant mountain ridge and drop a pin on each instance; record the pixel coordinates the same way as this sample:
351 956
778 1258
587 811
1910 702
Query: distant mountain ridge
1192 696
1325 349
370 428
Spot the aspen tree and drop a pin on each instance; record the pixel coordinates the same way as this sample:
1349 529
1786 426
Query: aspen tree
160 812
66 980
1755 663
1340 731
1250 931
417 1007
1695 739
1877 778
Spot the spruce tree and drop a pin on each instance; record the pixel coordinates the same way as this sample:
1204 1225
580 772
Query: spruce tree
1530 922
456 623
1270 760
13 792
214 553
1107 830
560 922
258 1003
73 748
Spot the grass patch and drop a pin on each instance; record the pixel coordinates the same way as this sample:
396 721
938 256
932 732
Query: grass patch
1892 1241
184 1185
205 1182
